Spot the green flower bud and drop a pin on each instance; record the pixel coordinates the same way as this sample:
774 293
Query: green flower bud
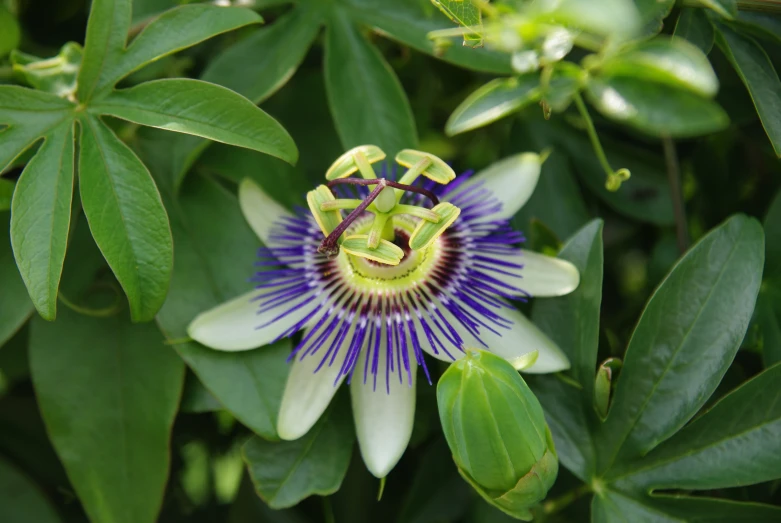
496 430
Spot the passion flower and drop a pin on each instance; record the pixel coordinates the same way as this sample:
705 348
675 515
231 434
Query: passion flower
415 268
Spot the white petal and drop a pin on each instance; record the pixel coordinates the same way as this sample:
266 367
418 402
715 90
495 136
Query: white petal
541 276
307 393
511 180
237 325
383 417
519 339
260 210
524 337
547 276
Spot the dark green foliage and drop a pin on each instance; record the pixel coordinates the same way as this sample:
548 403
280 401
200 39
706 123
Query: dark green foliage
116 233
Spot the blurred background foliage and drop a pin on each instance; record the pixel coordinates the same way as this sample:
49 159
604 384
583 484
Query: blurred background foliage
327 104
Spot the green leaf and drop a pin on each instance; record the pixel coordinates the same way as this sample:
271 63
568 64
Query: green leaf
698 509
215 252
496 99
107 29
202 109
197 398
9 31
556 201
644 197
173 31
617 507
29 115
293 32
409 21
653 13
280 180
21 499
286 472
579 310
614 18
109 415
758 74
15 307
670 61
366 99
41 217
655 108
764 25
768 309
126 217
694 26
572 322
725 8
464 13
732 444
685 340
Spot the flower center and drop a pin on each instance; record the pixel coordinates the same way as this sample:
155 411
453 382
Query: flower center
413 269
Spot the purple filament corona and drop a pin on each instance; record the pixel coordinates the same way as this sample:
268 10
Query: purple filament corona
462 292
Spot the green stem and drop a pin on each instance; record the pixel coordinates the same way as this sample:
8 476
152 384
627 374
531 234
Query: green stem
614 178
592 134
95 313
389 231
676 194
560 503
328 510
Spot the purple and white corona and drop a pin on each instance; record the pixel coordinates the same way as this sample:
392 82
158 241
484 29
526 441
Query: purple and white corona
382 271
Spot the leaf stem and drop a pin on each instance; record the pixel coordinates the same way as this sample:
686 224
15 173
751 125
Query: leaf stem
676 193
592 134
560 503
104 312
328 510
614 178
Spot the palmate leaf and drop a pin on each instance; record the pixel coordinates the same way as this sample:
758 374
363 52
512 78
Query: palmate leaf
120 199
387 116
681 347
685 340
108 392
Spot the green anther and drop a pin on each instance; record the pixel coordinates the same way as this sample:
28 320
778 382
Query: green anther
326 220
364 166
438 171
386 252
346 164
344 203
426 232
418 212
412 174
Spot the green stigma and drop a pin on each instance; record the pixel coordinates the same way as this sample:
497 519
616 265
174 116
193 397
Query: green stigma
376 241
